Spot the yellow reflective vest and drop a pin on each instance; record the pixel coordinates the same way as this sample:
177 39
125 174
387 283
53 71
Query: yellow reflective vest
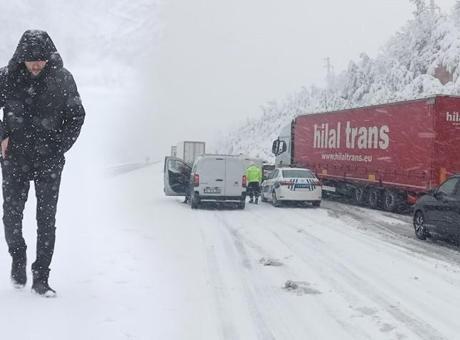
254 174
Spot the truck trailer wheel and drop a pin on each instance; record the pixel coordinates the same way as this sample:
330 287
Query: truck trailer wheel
391 200
374 198
358 195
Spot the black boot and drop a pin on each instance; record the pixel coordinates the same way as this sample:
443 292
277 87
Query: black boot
40 285
257 200
18 271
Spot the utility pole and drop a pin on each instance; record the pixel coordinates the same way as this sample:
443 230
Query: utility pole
329 72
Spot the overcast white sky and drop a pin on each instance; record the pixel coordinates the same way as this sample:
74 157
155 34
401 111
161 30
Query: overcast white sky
220 60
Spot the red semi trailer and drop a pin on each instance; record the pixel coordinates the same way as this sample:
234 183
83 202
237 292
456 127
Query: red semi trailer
381 155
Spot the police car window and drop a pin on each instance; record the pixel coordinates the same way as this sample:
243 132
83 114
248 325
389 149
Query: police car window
297 174
274 174
448 188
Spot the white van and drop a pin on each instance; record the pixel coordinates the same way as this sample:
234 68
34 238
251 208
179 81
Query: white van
212 178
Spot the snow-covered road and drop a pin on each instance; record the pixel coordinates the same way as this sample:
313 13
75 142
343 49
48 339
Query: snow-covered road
131 263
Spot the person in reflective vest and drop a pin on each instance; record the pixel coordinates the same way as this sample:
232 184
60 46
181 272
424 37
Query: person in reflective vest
254 177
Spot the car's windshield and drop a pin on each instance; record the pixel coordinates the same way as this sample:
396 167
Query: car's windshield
297 174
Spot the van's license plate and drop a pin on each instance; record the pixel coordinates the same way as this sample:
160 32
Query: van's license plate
209 190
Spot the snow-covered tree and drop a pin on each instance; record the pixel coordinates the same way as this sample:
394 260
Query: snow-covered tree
420 60
456 13
420 7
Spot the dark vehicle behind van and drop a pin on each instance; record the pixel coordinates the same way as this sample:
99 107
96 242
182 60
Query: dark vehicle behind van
438 212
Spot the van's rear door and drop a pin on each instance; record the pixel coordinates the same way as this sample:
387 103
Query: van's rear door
234 176
176 176
212 176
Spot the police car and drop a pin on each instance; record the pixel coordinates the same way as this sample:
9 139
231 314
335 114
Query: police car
291 184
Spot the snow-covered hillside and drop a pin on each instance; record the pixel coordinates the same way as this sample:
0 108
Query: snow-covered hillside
420 60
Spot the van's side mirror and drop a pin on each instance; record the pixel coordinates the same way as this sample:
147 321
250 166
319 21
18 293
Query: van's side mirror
278 147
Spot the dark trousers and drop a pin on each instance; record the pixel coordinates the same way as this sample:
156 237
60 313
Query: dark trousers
253 189
16 183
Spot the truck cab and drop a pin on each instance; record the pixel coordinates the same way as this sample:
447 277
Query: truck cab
283 152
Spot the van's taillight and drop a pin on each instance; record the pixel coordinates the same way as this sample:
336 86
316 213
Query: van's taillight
244 181
196 180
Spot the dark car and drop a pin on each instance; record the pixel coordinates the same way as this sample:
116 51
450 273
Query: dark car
438 212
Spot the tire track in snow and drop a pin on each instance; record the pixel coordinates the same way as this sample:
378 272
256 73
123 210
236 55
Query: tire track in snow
403 238
419 327
287 273
264 331
369 225
422 263
227 324
388 239
355 333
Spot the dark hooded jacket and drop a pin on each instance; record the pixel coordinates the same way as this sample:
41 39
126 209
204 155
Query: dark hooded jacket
42 115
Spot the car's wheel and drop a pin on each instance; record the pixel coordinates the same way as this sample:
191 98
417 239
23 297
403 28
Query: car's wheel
391 200
275 201
242 204
374 198
316 203
419 225
195 201
359 194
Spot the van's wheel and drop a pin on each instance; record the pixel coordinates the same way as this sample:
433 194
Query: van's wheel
374 198
358 195
242 204
275 201
419 225
316 204
391 200
195 201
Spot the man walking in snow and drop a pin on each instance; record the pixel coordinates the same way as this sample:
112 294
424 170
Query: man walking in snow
42 118
254 177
